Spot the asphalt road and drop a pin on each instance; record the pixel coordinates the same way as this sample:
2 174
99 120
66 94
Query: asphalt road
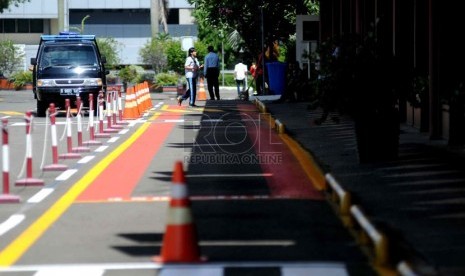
254 208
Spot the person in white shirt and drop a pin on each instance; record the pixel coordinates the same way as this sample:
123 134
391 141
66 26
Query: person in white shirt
240 75
191 68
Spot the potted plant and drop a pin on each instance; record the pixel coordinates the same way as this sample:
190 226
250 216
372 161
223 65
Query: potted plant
166 82
127 75
21 79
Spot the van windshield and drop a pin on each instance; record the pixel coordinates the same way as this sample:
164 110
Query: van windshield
68 55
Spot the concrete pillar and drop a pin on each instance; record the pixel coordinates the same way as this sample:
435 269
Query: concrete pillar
61 15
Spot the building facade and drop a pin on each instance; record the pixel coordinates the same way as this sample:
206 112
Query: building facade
423 37
126 21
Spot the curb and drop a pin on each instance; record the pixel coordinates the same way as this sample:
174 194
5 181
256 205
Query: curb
373 242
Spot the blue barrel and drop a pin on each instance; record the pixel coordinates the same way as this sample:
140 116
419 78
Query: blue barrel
277 77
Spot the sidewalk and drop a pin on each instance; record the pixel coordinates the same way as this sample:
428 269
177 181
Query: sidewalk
417 201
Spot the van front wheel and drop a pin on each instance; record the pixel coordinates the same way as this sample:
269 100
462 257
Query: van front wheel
41 108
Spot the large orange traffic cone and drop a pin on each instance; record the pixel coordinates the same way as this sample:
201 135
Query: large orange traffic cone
180 240
201 95
131 110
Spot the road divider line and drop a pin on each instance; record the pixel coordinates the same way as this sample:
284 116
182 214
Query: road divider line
113 139
101 149
66 175
11 222
26 239
86 159
40 195
307 268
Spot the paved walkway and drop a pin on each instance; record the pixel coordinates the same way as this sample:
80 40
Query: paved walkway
417 201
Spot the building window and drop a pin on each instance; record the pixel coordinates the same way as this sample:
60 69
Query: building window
9 26
21 26
36 26
173 16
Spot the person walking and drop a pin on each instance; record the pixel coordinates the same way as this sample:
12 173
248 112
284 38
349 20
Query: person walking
240 75
211 71
191 69
253 71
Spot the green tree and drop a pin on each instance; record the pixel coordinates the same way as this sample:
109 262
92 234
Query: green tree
110 48
154 53
10 57
175 56
225 17
5 4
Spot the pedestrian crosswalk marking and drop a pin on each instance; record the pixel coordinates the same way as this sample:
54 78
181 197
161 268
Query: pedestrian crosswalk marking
286 268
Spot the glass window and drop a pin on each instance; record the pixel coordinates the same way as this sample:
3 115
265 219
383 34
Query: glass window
23 25
69 55
37 25
9 26
173 16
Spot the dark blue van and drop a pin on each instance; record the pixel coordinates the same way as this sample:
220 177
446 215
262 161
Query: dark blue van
66 66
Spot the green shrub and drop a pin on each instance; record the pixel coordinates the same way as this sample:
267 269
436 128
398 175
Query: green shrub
131 73
230 81
146 76
165 79
21 78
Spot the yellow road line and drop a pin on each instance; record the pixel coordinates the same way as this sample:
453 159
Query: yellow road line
12 113
25 240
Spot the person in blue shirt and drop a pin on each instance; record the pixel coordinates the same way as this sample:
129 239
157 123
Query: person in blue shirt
211 71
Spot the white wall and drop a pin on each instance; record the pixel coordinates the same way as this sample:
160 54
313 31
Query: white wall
122 4
302 45
33 9
49 8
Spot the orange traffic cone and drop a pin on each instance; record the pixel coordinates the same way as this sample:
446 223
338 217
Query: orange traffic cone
148 99
130 105
201 95
180 239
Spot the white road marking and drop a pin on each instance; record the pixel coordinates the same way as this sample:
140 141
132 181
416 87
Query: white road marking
66 175
113 139
86 159
10 223
101 149
41 195
174 121
124 131
287 269
212 120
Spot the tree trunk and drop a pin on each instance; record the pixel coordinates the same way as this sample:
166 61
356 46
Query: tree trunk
154 16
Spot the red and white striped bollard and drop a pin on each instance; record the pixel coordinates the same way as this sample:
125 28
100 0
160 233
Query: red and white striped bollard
101 133
29 180
92 141
69 135
110 128
6 197
53 130
80 147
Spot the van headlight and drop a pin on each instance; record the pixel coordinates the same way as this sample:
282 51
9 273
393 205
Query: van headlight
45 83
93 82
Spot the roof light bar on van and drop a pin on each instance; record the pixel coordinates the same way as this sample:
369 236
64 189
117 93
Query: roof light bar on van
67 37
